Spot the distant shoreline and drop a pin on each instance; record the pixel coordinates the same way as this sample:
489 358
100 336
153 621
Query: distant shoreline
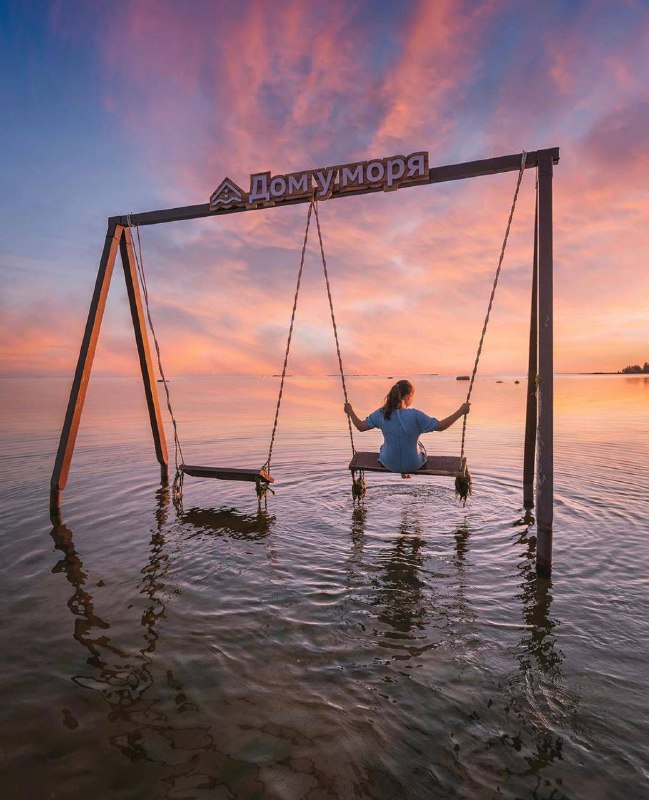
521 375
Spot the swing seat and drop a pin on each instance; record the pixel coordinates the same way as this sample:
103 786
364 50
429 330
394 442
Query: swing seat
450 466
226 473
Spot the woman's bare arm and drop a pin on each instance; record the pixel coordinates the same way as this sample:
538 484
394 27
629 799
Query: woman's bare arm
448 421
359 424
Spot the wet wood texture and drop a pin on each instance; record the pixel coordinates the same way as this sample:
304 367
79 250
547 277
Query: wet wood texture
84 366
143 350
451 466
545 459
450 172
529 454
226 473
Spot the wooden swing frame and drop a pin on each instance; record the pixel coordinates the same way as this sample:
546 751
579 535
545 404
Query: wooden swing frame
539 412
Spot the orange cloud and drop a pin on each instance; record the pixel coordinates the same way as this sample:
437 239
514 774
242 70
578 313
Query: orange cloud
239 88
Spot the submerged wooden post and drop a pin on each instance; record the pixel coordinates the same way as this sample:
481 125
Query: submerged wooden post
144 351
545 467
84 366
531 409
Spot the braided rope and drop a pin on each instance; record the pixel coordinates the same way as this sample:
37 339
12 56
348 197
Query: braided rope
139 262
493 292
266 466
333 320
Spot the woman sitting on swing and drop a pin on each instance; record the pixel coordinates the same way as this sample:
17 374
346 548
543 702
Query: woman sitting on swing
401 426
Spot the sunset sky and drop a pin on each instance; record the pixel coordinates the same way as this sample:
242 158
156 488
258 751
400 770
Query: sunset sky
110 107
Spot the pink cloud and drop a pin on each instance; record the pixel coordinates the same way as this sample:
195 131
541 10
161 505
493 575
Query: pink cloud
439 51
239 88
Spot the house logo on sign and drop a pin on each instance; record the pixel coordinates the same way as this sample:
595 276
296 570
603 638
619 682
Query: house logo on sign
227 194
266 189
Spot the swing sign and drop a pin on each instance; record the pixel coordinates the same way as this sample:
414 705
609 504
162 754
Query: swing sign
379 173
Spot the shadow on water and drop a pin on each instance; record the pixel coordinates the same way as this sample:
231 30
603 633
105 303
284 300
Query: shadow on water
154 717
199 522
228 522
418 600
400 595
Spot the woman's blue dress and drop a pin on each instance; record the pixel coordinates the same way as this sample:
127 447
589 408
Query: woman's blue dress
401 450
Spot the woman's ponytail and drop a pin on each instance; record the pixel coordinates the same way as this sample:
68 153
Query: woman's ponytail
395 396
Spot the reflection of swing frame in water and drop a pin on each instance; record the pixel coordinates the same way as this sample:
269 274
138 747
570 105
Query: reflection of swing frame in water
149 730
154 716
124 679
540 374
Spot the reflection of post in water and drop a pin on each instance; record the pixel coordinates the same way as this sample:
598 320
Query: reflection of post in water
359 520
461 544
538 646
537 693
80 603
357 530
124 679
463 611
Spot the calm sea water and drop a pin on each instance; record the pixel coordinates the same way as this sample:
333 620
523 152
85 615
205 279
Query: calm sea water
403 648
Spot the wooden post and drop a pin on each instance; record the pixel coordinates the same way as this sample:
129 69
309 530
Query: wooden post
545 471
84 366
144 351
531 410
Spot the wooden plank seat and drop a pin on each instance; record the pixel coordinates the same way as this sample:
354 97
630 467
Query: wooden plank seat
226 473
451 466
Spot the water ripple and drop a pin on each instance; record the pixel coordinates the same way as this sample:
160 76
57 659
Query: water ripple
311 647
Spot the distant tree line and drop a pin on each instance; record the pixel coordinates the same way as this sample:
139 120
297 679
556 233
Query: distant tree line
636 369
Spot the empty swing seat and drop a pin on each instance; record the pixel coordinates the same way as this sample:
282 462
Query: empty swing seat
450 466
226 473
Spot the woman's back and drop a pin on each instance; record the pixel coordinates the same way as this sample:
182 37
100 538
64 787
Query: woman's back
401 450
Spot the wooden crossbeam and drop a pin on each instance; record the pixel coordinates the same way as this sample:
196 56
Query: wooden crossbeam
450 172
450 466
